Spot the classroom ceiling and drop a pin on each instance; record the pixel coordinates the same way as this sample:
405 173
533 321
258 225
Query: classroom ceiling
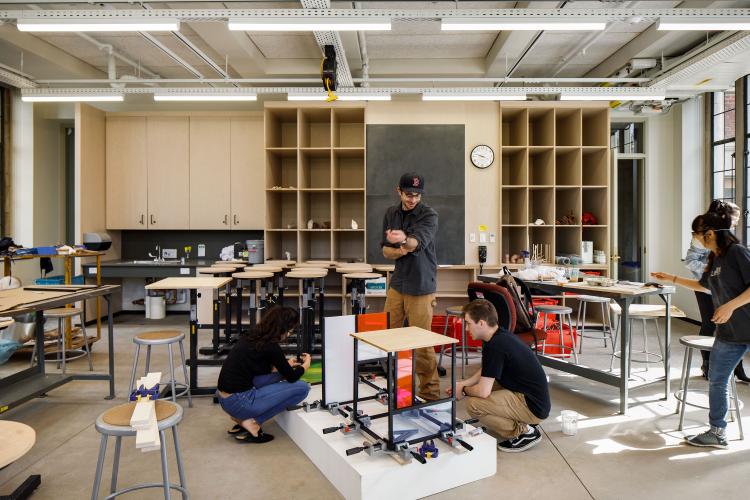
414 48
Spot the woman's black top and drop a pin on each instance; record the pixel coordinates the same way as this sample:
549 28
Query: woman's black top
728 277
245 362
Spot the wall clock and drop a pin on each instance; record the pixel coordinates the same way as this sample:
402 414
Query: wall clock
482 156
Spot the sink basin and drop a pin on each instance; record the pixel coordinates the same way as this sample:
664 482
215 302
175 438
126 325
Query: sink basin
153 262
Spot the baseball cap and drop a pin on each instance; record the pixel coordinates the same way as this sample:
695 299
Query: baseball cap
411 183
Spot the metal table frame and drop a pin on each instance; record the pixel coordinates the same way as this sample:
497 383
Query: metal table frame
623 300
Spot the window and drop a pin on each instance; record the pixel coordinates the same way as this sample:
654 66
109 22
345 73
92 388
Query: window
746 87
3 136
723 146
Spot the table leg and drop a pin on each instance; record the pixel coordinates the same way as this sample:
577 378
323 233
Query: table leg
228 313
194 338
253 305
667 298
238 302
216 320
111 344
39 334
624 304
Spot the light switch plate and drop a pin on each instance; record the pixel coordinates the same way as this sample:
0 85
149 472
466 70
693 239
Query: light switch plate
492 237
482 237
168 253
201 250
472 237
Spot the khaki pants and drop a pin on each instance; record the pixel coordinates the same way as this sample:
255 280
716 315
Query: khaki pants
418 310
504 412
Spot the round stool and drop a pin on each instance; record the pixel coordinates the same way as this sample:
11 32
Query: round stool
562 312
643 313
116 422
456 312
308 300
703 343
253 277
61 314
166 337
357 288
606 329
276 291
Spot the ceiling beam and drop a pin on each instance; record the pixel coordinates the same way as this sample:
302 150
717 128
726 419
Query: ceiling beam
243 55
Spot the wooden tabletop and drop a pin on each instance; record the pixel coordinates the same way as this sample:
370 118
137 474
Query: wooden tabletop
187 283
20 300
403 339
307 272
252 275
362 276
17 440
265 267
617 289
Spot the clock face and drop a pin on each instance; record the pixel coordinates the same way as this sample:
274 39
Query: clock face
482 156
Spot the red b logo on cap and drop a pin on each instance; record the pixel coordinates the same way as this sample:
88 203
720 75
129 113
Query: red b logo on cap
415 182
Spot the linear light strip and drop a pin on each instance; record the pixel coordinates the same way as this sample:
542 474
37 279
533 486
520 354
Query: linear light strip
702 24
612 97
473 97
323 23
520 24
205 97
100 25
72 98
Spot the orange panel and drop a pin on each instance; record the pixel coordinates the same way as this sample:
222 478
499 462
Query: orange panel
372 321
404 395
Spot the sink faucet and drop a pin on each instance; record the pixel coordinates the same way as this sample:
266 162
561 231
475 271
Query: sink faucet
156 257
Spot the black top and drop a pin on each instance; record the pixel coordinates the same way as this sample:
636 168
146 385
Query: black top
245 362
415 272
509 361
729 277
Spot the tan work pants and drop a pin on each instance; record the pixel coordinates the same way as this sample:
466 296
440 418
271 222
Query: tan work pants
503 411
418 310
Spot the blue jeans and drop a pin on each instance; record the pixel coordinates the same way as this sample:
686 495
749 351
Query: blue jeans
724 357
270 396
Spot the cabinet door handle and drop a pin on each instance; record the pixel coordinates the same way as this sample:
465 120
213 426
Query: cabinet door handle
226 219
236 221
153 221
143 219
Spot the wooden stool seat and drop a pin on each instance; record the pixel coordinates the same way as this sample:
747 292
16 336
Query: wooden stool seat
160 335
230 263
385 268
320 263
120 415
264 267
252 275
62 312
362 276
281 262
307 273
214 270
17 439
354 268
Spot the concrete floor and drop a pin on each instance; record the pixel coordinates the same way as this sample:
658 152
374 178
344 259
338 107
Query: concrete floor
612 457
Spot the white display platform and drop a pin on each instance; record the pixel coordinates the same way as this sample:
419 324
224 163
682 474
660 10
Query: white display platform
364 477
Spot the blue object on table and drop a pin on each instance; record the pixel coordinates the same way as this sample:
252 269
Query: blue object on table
428 449
60 280
46 250
7 348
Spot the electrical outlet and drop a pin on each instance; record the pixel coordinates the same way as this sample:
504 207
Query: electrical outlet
492 237
482 237
201 250
472 237
168 253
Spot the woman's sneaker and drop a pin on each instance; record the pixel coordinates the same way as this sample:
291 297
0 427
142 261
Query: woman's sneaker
708 439
521 443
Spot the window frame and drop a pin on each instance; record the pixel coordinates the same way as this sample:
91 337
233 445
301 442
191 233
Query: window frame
714 143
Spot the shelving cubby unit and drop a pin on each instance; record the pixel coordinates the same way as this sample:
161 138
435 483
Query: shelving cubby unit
554 160
315 170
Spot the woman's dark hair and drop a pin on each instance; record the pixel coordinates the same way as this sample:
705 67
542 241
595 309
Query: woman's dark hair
725 207
720 222
274 326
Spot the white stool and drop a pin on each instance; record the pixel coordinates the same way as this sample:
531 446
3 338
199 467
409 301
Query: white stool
166 337
61 314
116 422
606 329
561 312
703 343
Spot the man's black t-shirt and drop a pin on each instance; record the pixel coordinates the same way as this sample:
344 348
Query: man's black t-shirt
245 362
515 367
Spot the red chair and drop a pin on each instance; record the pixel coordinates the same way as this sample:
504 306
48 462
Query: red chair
506 312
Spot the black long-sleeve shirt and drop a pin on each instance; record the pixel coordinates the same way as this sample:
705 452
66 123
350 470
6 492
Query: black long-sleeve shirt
245 362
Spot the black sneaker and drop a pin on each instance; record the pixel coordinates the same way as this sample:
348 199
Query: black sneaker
708 439
521 443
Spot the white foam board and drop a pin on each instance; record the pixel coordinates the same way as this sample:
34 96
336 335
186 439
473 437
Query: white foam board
364 477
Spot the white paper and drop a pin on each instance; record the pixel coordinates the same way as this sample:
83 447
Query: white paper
185 270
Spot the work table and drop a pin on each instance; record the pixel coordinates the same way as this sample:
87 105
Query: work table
145 268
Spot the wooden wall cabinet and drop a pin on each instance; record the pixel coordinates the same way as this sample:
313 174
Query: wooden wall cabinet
126 173
247 190
167 146
210 172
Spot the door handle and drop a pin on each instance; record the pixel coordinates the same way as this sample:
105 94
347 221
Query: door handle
226 219
153 221
143 219
236 221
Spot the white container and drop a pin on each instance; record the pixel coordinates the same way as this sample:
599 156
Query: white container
156 308
569 422
587 252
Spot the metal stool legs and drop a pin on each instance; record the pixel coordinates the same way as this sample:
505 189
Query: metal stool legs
563 347
606 325
172 380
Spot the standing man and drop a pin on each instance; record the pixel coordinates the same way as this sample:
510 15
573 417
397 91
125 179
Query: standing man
409 231
509 393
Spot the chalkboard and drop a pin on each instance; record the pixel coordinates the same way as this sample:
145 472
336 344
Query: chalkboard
437 153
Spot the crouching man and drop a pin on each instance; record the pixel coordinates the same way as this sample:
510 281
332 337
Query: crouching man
509 394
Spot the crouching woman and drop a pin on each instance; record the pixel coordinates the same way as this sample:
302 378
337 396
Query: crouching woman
257 381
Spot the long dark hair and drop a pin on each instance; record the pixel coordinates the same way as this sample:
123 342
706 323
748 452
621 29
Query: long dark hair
726 207
274 326
720 222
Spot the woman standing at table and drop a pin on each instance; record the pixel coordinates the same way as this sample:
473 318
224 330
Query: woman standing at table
727 278
696 260
256 381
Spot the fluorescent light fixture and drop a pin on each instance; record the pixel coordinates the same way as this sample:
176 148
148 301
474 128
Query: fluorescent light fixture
473 97
612 97
306 97
205 97
98 24
309 23
73 98
703 24
519 24
364 97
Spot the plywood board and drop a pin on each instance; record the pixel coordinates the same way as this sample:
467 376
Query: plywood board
188 283
402 339
10 299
